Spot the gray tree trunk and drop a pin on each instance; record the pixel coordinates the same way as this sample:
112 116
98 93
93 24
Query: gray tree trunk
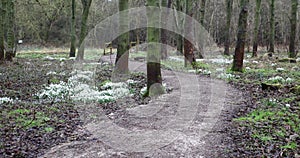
154 78
241 37
2 13
292 52
272 27
10 30
86 4
73 30
123 41
256 27
228 24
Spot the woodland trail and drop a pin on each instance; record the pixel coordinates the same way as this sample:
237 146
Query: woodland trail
191 121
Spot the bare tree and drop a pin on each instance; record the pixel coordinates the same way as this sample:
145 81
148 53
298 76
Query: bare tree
228 24
2 13
73 30
272 27
241 37
86 4
154 78
123 41
292 52
256 27
10 20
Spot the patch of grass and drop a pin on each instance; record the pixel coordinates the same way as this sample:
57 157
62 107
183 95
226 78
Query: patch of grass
25 118
263 138
291 145
257 116
49 129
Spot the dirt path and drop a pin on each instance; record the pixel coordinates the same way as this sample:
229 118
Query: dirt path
191 121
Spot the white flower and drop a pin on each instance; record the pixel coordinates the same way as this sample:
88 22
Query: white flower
51 73
220 69
206 72
143 90
273 64
6 100
280 69
192 71
289 80
131 82
248 68
176 59
49 58
255 62
288 105
226 76
277 79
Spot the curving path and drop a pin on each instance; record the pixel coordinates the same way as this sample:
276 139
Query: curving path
191 121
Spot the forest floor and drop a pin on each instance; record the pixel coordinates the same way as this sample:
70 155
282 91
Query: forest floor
201 115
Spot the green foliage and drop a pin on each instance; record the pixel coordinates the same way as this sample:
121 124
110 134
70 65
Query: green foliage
291 145
28 119
49 129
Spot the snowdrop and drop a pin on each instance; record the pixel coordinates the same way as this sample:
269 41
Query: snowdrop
131 82
255 62
273 64
220 69
280 69
192 71
55 92
248 68
289 80
277 79
226 76
206 72
288 105
51 73
143 90
6 100
176 59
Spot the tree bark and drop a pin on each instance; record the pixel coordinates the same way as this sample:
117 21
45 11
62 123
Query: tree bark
256 26
10 31
123 41
180 5
241 37
2 53
202 12
83 32
272 27
228 24
188 46
292 52
164 36
154 77
73 30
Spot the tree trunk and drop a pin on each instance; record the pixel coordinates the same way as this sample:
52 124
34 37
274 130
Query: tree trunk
83 32
256 26
228 24
10 31
272 27
180 39
188 46
241 37
164 36
154 79
73 30
123 42
2 55
202 12
292 52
